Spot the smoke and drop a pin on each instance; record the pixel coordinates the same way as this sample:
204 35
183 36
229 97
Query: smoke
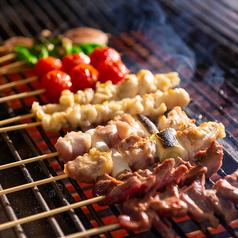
148 18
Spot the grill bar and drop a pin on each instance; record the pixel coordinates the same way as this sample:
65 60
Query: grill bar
11 215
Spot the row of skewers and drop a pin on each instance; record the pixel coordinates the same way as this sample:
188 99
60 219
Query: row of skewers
124 154
128 133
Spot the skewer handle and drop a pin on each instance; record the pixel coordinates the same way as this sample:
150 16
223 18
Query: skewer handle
51 213
21 95
95 231
27 161
30 185
20 82
7 57
19 127
17 118
10 67
2 48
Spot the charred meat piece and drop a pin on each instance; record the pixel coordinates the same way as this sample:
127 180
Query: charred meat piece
142 180
168 203
222 207
199 207
201 204
138 216
211 158
115 190
226 190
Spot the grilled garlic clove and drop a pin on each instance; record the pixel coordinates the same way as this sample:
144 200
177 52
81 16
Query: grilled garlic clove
168 145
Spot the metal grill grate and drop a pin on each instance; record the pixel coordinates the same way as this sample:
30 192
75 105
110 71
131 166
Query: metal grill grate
211 35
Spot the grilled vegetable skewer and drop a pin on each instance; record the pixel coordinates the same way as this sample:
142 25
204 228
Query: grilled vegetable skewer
75 40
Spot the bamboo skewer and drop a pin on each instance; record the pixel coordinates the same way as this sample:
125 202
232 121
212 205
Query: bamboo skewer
7 57
2 48
19 82
27 161
19 127
17 118
30 185
95 231
52 212
8 68
21 95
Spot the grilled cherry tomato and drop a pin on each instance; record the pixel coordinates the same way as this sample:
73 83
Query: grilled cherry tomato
101 54
55 82
46 64
114 71
71 60
83 76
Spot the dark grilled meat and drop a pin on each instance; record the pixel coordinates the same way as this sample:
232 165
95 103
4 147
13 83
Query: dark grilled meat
211 158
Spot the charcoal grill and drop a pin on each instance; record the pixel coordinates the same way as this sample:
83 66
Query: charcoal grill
210 30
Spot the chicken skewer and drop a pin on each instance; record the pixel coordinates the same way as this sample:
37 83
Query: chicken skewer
101 198
73 139
57 116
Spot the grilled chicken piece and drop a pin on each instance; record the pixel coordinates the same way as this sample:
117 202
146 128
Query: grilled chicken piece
175 119
108 134
194 138
72 145
90 166
139 153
